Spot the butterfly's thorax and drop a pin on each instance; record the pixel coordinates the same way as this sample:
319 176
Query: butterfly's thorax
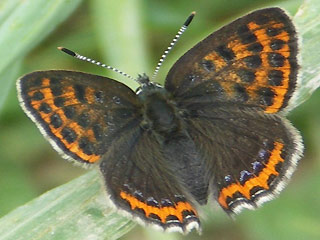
160 112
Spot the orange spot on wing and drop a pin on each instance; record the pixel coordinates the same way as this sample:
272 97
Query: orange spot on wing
70 96
90 95
162 212
277 25
281 91
239 49
216 59
261 180
261 74
90 135
45 82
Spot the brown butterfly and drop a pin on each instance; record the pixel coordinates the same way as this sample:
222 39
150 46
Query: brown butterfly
216 129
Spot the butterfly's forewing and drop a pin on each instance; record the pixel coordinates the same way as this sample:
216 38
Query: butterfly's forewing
249 155
138 179
251 61
81 114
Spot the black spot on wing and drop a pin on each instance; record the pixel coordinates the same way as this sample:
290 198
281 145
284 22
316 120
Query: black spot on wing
276 59
80 93
69 135
277 44
226 53
246 75
83 120
241 93
255 47
45 108
55 86
37 96
272 32
55 120
208 65
266 96
275 77
69 112
59 101
253 61
245 35
86 146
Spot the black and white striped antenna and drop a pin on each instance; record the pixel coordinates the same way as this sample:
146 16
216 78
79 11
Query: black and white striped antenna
140 80
83 58
173 43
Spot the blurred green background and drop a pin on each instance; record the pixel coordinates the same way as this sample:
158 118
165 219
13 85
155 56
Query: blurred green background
30 167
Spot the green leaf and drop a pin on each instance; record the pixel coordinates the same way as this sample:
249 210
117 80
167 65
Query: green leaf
6 80
307 21
23 25
76 210
6 8
118 26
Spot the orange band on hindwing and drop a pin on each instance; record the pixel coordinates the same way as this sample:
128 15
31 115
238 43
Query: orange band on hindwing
261 180
161 212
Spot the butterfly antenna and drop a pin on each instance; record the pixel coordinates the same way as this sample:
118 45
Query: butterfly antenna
83 58
173 43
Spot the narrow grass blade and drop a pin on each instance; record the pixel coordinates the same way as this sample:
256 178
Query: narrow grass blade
76 210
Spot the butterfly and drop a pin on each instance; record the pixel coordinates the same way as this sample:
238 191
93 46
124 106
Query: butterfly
216 129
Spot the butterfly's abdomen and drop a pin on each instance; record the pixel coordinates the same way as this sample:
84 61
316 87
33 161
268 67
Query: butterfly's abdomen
161 114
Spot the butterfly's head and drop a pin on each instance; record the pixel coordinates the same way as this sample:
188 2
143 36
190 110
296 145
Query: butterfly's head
146 86
143 79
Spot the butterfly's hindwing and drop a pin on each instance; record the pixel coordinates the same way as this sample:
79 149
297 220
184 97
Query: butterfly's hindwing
249 155
139 181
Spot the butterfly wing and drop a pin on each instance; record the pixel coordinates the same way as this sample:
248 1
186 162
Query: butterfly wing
140 182
251 61
89 118
79 113
250 156
229 87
